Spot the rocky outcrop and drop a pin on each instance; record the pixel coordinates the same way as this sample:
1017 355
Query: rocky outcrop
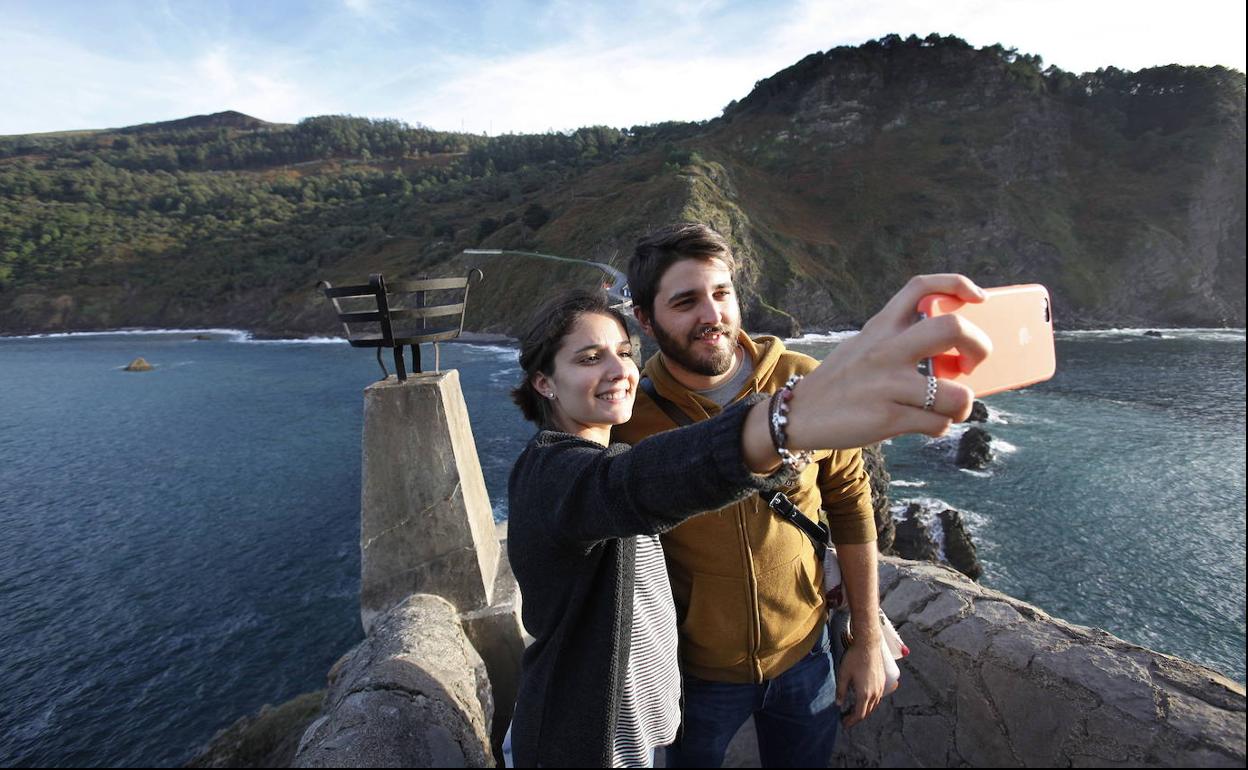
266 739
974 449
950 543
138 365
413 694
959 550
914 540
877 472
979 412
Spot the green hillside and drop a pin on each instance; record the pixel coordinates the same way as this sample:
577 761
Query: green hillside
836 179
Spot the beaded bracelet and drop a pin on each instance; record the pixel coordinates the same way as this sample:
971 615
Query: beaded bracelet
779 413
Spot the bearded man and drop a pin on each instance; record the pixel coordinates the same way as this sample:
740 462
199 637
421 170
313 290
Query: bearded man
747 583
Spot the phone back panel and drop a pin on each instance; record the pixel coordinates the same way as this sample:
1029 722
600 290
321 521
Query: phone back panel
1019 321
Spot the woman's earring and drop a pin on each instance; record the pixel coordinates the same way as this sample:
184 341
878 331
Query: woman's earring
550 395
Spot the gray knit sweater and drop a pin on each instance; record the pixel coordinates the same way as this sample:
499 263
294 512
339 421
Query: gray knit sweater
573 509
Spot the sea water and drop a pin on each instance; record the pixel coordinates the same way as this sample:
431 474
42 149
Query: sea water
179 547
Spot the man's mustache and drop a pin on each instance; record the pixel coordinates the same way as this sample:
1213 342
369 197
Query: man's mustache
703 331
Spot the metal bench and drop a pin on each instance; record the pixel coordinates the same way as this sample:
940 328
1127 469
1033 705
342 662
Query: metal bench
384 310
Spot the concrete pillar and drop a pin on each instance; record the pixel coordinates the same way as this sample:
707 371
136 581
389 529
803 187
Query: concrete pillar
499 637
426 524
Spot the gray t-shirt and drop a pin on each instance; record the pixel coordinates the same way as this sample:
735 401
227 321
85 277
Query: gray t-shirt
726 393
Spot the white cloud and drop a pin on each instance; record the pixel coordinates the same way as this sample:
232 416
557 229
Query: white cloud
616 65
61 85
691 72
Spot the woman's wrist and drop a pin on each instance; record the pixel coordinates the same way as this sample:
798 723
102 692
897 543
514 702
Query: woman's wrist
756 445
778 424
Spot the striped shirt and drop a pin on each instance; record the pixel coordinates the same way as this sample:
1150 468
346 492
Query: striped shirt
650 703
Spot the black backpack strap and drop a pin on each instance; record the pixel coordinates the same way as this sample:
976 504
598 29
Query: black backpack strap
779 502
817 531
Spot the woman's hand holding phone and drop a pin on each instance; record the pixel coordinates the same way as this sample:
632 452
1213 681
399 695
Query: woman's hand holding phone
868 389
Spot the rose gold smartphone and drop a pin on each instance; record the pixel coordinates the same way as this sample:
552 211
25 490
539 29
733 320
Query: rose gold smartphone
1018 320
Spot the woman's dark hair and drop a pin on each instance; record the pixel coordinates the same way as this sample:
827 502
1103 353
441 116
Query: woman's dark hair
540 340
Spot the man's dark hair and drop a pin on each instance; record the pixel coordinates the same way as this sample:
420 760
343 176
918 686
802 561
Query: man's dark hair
540 341
659 249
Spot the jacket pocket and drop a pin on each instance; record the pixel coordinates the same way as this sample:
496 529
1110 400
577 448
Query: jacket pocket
789 603
716 628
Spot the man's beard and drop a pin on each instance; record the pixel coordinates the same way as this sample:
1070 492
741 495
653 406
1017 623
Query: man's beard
718 362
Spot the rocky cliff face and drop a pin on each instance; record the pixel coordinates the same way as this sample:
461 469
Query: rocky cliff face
914 156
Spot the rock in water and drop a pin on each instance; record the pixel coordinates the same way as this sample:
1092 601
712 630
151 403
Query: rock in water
139 365
959 550
1153 333
975 449
877 472
979 412
913 540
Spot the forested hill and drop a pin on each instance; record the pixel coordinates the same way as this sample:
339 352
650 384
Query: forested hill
835 179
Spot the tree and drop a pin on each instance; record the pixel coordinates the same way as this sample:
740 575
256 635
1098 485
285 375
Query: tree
535 216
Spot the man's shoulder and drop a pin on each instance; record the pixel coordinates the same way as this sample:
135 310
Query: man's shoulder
646 420
787 362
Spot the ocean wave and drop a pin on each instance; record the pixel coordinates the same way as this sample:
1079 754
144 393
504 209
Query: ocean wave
248 340
1001 445
976 474
815 338
948 443
998 416
929 512
1200 334
485 347
508 375
903 483
237 333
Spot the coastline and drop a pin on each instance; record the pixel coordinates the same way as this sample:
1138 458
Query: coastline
491 338
242 335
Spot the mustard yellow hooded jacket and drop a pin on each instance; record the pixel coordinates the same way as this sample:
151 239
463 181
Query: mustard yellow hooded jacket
746 583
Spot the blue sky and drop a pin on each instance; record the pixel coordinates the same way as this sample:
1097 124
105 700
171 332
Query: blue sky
496 66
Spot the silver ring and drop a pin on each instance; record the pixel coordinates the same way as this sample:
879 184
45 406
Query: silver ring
930 401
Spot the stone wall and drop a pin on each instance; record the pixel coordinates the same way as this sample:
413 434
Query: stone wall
415 693
993 681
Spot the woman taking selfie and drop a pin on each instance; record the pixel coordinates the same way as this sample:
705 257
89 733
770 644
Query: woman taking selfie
600 684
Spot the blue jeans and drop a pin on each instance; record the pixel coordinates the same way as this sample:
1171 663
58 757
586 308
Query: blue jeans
795 714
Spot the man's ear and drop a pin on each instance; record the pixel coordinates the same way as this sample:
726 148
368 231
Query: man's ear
643 320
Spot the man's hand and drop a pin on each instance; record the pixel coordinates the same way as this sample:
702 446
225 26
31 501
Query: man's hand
862 669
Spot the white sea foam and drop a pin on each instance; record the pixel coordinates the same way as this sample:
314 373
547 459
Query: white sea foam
820 338
948 443
976 474
1001 445
903 483
998 416
118 332
305 341
509 375
930 508
1202 334
497 351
